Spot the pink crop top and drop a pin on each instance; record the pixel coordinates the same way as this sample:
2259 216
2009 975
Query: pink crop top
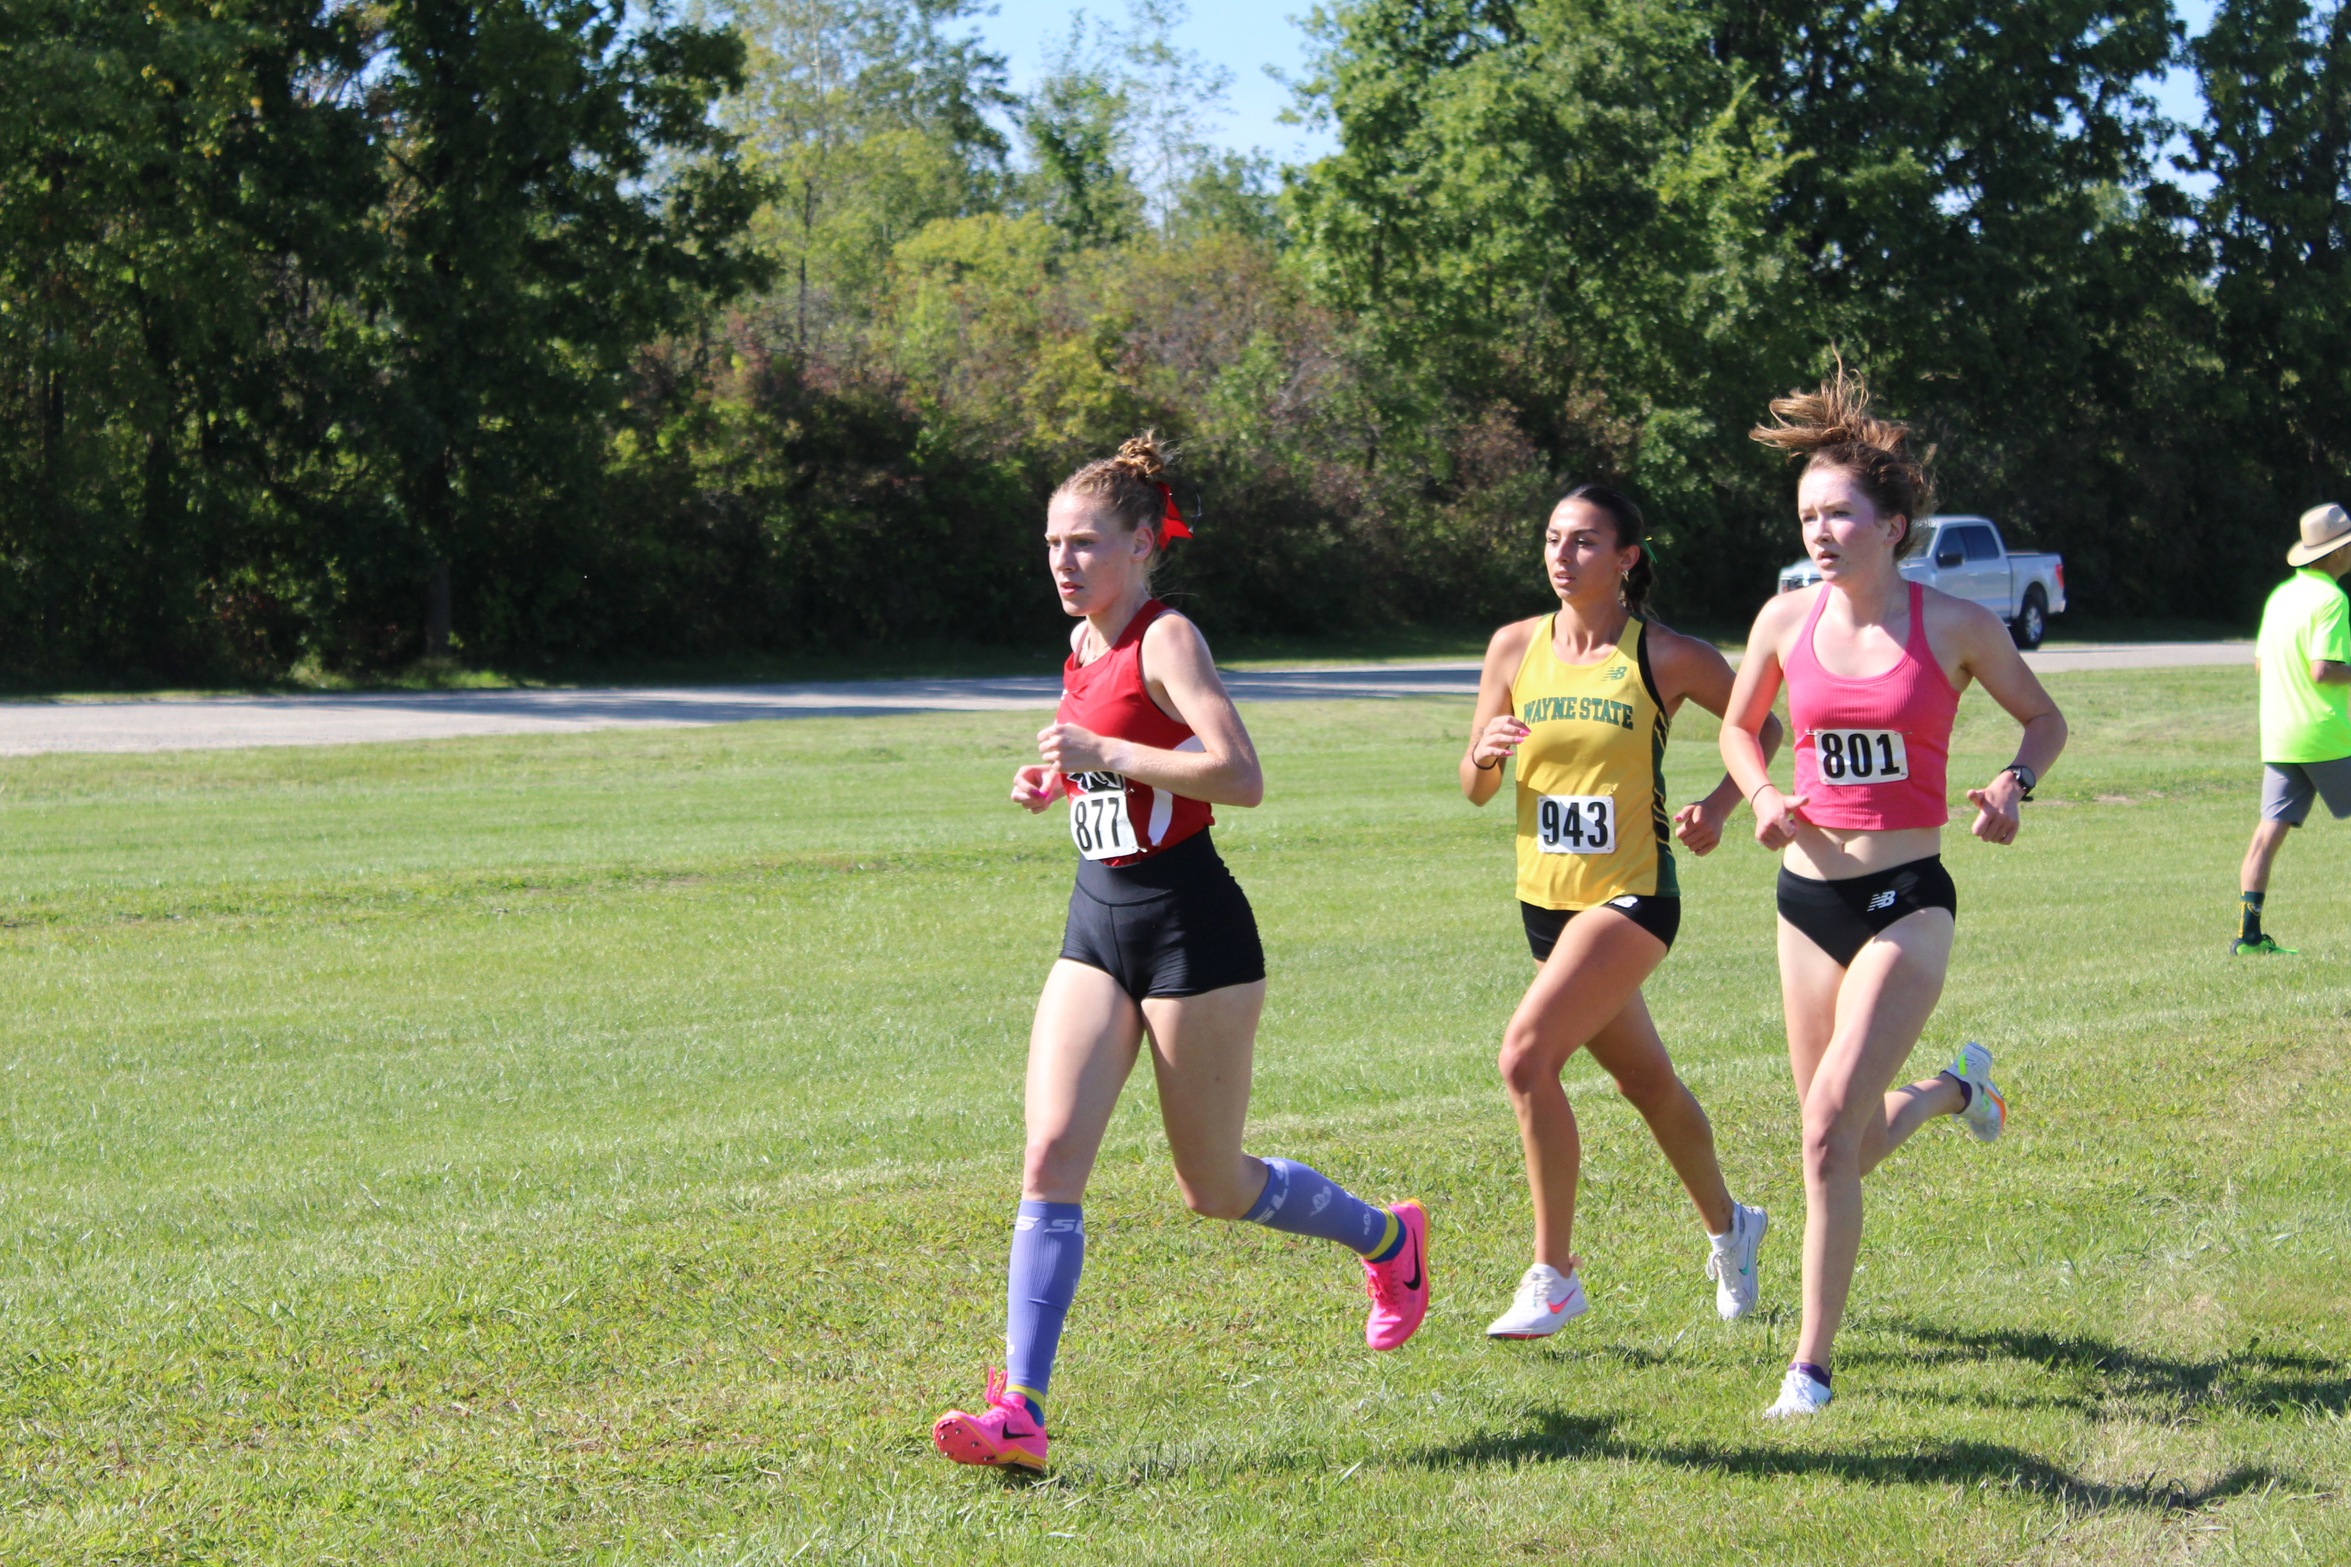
1871 754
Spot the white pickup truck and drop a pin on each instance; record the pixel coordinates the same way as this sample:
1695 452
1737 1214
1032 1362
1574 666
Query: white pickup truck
1967 558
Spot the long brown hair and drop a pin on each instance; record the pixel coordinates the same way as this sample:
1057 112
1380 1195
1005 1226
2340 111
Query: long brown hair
1833 427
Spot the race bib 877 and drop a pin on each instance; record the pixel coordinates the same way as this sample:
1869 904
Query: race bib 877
1858 756
1098 822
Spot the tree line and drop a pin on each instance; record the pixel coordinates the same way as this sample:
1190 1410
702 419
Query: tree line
336 334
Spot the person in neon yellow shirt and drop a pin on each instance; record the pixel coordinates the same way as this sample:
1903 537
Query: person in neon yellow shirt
2304 658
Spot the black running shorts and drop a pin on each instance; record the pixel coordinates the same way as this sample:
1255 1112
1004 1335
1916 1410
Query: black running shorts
1841 916
1176 924
1660 917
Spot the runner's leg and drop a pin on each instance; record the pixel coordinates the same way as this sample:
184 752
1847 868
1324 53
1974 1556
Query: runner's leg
1082 1049
1907 1109
1201 1050
1810 981
2287 791
1593 973
1882 1005
1627 1049
2261 854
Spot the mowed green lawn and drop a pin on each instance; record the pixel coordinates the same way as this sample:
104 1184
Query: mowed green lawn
603 1148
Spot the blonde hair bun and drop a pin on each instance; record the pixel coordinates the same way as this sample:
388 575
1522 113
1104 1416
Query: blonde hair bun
1127 485
1141 456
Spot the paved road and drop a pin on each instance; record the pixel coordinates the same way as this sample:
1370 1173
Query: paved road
216 723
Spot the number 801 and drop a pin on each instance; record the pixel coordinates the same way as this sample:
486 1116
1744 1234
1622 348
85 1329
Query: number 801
1861 754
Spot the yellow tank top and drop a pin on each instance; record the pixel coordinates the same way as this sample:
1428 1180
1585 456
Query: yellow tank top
1591 776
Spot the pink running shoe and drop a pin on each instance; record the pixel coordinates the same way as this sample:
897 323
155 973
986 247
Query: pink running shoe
1399 1287
1006 1434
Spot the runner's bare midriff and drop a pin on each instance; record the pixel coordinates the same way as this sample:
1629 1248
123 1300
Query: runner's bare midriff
1836 854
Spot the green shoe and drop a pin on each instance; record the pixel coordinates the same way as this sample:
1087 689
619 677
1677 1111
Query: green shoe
2261 947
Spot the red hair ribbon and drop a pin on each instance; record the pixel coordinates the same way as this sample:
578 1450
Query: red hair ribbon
1171 520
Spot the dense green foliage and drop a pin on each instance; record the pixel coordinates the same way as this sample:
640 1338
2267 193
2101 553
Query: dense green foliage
600 1149
336 333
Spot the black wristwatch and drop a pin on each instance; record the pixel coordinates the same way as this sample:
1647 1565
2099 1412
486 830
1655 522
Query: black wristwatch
2023 775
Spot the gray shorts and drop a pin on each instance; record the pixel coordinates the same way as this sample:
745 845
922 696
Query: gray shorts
2287 789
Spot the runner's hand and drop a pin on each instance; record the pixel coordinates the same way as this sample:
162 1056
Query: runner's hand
1035 788
1504 733
1996 819
1775 816
1697 827
1068 749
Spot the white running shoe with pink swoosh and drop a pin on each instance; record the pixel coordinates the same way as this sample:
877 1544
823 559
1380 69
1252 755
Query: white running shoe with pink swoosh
1547 1301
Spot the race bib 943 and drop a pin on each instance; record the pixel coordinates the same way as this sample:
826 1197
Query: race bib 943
1575 824
1857 756
1098 822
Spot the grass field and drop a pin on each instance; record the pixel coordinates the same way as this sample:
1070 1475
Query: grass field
603 1148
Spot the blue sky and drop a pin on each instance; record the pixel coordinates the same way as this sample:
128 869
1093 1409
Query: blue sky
1246 36
1242 36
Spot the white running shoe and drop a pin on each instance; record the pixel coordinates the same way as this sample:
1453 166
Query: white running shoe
1547 1301
1987 1112
1730 1262
1799 1395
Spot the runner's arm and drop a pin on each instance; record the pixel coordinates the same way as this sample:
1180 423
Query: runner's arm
1035 787
1694 670
1747 709
1988 653
2327 642
1495 732
1182 679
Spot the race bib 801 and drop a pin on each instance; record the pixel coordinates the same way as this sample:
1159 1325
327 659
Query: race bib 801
1851 756
1575 824
1098 822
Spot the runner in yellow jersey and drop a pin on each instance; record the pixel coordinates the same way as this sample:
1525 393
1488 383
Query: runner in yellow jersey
1584 699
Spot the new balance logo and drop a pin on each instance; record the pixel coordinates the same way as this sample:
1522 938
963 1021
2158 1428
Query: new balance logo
1883 900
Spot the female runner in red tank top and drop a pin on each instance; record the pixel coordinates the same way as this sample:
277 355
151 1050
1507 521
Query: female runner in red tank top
1874 666
1161 947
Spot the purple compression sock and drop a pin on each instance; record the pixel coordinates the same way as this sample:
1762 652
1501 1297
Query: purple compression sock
1818 1374
1302 1201
1048 1252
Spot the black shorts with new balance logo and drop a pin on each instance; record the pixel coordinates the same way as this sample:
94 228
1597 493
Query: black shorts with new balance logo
1840 917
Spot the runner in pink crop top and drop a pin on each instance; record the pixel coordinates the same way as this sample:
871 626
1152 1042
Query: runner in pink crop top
1871 752
1867 909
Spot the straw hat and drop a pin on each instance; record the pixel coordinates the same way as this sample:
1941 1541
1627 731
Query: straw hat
2325 529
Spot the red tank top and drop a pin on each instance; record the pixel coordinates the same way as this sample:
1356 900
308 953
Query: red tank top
1871 754
1107 696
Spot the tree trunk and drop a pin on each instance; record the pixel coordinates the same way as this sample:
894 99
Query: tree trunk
53 523
436 615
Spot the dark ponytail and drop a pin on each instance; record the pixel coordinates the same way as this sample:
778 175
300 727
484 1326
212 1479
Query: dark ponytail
1630 531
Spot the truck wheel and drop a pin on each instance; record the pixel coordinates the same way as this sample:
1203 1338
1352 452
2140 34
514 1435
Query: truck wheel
2032 622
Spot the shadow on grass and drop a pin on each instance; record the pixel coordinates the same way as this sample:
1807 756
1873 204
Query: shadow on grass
1559 1438
2252 1381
